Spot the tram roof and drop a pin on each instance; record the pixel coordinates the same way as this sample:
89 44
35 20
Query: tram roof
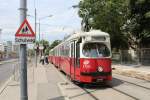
91 33
77 35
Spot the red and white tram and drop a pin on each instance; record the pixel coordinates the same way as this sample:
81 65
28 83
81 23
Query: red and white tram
84 57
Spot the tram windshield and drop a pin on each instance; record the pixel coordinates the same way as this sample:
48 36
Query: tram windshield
95 50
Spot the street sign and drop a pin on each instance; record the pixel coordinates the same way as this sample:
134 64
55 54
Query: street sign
25 34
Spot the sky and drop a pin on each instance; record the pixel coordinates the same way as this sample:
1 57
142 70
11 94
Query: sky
64 18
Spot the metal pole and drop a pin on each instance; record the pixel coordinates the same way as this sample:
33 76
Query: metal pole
23 56
39 30
35 41
39 36
0 34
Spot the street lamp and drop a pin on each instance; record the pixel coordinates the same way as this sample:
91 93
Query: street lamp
40 31
40 25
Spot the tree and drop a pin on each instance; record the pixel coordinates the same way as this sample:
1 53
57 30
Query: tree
138 25
108 16
55 43
45 45
31 52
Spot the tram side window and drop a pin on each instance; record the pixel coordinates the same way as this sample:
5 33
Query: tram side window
67 50
78 54
72 54
60 51
56 51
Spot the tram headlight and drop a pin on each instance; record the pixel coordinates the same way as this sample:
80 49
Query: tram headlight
86 62
100 68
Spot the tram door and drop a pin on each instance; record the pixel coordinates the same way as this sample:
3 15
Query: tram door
75 53
73 63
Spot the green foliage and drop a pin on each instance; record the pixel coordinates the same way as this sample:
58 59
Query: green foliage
31 52
108 16
44 42
54 43
139 21
47 46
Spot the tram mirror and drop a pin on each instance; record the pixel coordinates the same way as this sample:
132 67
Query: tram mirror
79 40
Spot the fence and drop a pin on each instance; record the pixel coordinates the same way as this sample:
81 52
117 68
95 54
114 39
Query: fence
141 56
145 56
16 71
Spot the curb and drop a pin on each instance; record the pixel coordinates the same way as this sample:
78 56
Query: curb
2 88
3 62
132 73
62 91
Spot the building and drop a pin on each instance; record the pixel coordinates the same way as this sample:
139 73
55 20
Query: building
9 46
9 50
15 49
1 47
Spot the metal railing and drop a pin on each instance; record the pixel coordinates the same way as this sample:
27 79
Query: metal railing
30 68
141 56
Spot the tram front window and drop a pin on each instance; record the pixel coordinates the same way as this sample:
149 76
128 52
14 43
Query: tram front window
95 50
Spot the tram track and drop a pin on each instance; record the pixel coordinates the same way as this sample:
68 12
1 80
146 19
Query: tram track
123 79
135 84
118 90
93 94
128 82
109 86
135 98
90 94
85 89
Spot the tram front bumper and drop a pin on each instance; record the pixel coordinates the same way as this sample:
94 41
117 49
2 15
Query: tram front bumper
95 74
92 77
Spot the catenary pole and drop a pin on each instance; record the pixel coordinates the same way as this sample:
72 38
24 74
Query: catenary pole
23 56
35 15
35 40
39 31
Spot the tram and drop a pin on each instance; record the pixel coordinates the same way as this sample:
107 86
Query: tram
84 57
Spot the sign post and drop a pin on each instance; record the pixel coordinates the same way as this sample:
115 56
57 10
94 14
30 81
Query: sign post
23 36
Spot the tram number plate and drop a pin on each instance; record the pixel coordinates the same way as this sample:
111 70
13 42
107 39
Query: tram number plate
99 80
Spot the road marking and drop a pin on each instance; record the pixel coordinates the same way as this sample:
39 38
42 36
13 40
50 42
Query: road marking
5 84
9 61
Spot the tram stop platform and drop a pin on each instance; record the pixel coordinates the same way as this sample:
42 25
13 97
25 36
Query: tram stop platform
42 84
136 71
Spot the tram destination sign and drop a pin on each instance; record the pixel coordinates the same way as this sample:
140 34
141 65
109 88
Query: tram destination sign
25 34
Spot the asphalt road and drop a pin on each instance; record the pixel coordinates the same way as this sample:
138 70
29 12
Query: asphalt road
6 71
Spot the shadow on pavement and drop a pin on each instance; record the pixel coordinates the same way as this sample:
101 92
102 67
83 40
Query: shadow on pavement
58 98
102 85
